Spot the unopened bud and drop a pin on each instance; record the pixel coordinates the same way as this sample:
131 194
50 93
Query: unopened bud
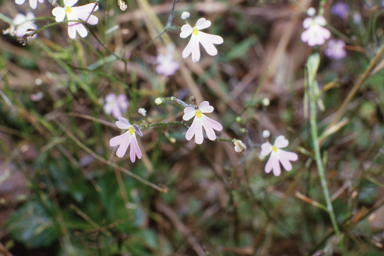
239 145
185 15
266 134
265 102
158 101
238 119
311 11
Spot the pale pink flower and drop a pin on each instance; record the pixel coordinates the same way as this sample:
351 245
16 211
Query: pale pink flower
201 121
32 3
167 65
315 34
197 38
340 9
126 139
24 23
116 105
336 49
278 155
75 13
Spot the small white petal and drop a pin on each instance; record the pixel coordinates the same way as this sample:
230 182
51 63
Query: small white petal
202 23
188 113
70 3
186 31
281 142
59 14
266 149
205 107
123 123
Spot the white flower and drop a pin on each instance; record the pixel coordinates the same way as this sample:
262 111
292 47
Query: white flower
239 145
167 65
197 38
126 139
201 121
24 23
315 34
116 105
36 96
32 3
75 13
185 15
278 155
266 134
142 111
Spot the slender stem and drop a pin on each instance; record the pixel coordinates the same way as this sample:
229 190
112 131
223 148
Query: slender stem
320 167
321 7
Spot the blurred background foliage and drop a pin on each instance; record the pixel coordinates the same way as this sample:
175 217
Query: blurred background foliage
61 194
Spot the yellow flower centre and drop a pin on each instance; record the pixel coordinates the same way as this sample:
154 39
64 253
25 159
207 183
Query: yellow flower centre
274 148
68 9
198 113
131 130
195 31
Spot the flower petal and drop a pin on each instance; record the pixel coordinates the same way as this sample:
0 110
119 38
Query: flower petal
122 123
285 157
135 149
209 47
116 112
186 31
214 39
266 149
19 2
70 3
33 4
123 103
307 22
194 48
268 167
319 20
59 13
281 142
188 113
137 130
19 18
202 23
123 140
210 124
205 107
276 165
196 130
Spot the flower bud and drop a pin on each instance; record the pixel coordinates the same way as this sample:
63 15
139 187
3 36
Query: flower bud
311 11
185 15
265 102
158 101
266 134
239 145
238 119
142 111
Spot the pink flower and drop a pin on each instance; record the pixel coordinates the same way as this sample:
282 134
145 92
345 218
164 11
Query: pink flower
315 34
340 9
335 49
75 13
167 65
115 105
32 3
201 121
126 139
278 155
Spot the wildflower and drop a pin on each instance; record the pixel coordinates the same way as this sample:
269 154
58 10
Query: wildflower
126 139
336 49
201 121
75 13
278 155
24 23
36 96
185 15
315 34
32 3
266 134
197 38
115 105
142 111
239 145
167 65
340 9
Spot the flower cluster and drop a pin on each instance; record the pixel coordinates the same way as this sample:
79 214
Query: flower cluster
315 33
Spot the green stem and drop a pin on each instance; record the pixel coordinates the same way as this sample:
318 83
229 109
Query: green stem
321 7
320 167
